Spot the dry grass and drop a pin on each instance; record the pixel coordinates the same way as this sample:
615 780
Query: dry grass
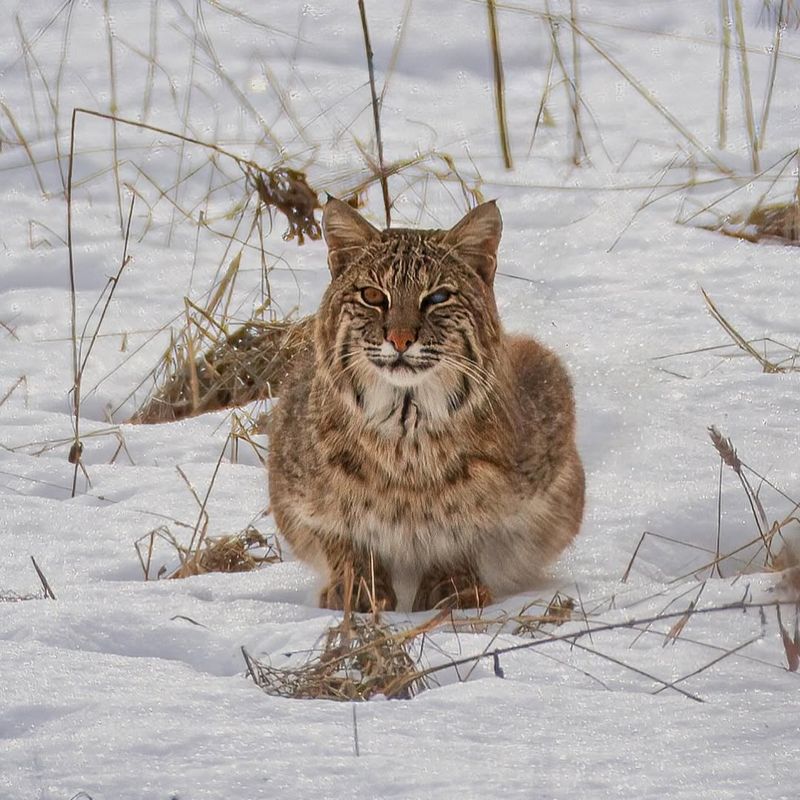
499 85
363 657
287 191
559 610
21 381
775 547
774 218
776 222
376 114
593 625
11 596
238 552
359 658
245 365
787 362
255 346
773 223
781 13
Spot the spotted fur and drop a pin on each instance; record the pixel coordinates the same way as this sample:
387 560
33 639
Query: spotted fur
418 445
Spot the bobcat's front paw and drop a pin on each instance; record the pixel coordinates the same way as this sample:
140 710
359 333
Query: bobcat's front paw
458 590
364 598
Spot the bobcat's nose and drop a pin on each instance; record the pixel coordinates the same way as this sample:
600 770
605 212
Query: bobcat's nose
401 339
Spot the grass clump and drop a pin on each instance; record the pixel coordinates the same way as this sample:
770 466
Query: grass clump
287 191
361 657
238 552
772 223
559 610
247 364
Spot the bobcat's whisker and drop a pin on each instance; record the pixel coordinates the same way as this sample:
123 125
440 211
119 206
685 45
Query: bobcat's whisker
484 380
471 370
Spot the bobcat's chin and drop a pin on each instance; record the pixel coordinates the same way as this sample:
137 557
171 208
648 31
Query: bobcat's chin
402 373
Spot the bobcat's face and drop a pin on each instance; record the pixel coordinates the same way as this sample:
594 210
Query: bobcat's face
413 314
407 309
408 359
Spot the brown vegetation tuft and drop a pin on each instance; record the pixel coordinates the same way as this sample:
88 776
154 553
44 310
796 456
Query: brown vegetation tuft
559 610
239 552
287 191
248 364
775 223
361 657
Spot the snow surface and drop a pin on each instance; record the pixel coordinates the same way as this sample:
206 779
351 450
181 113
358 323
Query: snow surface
111 689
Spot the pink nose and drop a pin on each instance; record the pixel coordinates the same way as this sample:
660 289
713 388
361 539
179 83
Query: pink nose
401 339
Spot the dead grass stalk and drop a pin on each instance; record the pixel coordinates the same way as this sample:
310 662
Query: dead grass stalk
361 657
786 365
238 367
499 85
237 552
376 113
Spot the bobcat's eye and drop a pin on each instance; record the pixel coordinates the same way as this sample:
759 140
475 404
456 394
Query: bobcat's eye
374 297
434 298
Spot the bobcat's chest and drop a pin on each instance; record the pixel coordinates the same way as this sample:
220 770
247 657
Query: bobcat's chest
401 414
434 511
405 473
399 442
413 486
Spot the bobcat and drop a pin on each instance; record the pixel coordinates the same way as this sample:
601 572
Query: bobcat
416 446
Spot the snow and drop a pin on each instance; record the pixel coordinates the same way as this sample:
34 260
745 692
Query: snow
122 688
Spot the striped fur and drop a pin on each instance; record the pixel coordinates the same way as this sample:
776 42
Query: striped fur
441 472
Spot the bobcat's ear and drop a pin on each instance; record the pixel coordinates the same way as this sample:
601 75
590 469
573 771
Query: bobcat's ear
476 239
346 232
